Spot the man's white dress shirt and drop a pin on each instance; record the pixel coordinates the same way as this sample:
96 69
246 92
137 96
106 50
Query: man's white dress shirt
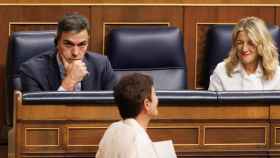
126 139
240 80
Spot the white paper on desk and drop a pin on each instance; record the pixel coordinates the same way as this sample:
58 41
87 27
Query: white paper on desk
164 149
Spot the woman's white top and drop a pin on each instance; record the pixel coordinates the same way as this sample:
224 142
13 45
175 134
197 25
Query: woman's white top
126 139
240 80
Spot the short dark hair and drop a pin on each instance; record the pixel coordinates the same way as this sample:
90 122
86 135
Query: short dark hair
71 22
130 93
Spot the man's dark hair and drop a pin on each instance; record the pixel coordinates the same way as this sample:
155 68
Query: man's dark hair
71 22
130 93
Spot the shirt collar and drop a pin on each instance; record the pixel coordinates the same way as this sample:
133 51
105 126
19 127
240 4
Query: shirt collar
60 66
259 70
239 68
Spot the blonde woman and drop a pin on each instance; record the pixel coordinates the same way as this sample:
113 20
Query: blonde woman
252 63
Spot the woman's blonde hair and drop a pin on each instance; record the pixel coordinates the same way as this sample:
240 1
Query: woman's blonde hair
258 33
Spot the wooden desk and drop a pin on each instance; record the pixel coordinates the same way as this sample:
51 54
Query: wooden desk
197 129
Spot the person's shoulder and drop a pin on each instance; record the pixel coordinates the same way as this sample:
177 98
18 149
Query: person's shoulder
220 68
277 72
36 66
40 59
120 125
221 65
278 68
120 129
95 56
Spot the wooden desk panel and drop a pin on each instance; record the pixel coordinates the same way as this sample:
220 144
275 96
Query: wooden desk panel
197 130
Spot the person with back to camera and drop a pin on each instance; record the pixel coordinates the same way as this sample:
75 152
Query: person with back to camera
137 102
252 63
69 67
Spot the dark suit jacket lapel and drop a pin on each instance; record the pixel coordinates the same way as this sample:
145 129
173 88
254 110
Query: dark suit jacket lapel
53 74
87 82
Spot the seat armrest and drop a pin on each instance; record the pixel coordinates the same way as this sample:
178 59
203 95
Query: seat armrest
249 97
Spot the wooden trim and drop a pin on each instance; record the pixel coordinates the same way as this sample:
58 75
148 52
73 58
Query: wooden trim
29 23
235 144
180 127
81 145
148 4
25 137
275 136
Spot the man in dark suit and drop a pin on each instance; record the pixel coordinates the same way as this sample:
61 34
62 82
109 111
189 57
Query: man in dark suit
69 67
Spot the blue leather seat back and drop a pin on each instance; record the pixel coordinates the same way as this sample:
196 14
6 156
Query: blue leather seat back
158 52
23 46
218 44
